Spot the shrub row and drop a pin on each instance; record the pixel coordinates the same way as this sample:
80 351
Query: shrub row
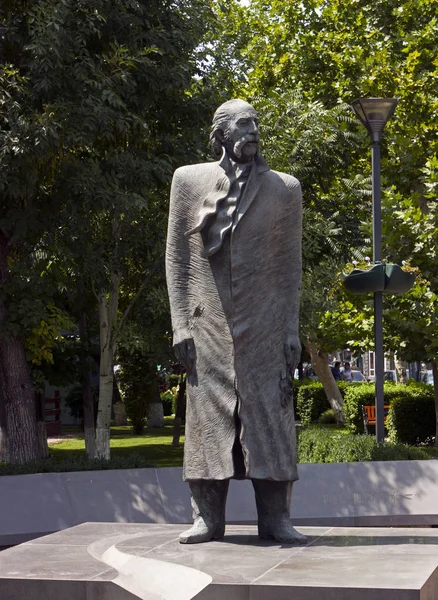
357 395
311 400
411 417
412 420
332 445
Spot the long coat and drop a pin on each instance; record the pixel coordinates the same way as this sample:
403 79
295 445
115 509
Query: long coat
238 306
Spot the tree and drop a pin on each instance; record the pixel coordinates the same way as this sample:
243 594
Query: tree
413 230
101 102
28 146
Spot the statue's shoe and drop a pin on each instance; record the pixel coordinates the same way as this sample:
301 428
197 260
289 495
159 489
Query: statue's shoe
282 532
201 532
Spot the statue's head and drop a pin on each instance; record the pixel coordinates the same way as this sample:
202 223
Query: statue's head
235 128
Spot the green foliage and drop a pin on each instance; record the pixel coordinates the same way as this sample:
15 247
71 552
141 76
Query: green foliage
173 380
138 383
411 420
169 396
412 232
327 417
330 445
168 399
364 393
311 402
99 105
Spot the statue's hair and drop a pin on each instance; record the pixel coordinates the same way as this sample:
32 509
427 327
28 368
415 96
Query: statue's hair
221 121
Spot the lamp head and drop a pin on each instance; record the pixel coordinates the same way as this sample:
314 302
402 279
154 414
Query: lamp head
374 113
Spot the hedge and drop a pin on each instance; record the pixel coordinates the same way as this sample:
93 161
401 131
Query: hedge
311 402
411 420
411 417
356 395
333 445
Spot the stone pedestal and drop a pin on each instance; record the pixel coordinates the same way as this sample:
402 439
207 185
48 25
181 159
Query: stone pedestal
156 415
115 561
120 416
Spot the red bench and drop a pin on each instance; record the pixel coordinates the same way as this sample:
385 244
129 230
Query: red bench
369 415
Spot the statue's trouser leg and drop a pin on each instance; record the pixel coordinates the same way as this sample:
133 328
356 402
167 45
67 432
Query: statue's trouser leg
208 503
273 502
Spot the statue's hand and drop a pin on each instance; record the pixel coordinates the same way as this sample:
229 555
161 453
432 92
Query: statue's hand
292 351
185 352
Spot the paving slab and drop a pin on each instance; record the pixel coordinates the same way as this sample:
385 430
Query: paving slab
116 561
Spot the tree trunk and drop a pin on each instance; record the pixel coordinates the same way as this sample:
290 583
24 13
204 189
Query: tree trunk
3 431
19 403
325 376
87 390
400 370
435 393
89 422
180 411
107 320
19 417
41 423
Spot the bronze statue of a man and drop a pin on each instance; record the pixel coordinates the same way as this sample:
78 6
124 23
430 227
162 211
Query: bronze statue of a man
233 266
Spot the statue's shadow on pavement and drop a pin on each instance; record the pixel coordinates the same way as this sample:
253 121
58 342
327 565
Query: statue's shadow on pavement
351 540
254 541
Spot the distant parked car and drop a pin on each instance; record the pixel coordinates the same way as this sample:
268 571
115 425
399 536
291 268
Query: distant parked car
390 376
426 377
358 377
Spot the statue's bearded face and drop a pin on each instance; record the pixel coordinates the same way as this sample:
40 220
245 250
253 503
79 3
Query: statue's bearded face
241 135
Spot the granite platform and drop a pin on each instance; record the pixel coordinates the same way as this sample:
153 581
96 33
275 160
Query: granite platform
402 493
113 561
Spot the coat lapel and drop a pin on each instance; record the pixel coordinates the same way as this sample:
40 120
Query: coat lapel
252 187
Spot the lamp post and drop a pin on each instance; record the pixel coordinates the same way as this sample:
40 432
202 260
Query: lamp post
374 113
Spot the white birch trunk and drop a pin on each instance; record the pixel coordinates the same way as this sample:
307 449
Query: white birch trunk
323 371
435 393
400 369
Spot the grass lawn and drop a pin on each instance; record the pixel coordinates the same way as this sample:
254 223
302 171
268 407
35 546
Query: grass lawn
154 449
155 446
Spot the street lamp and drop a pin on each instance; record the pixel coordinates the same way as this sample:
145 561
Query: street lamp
374 113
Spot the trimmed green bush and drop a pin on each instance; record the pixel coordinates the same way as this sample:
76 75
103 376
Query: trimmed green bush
411 420
411 417
327 417
334 445
311 402
358 394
